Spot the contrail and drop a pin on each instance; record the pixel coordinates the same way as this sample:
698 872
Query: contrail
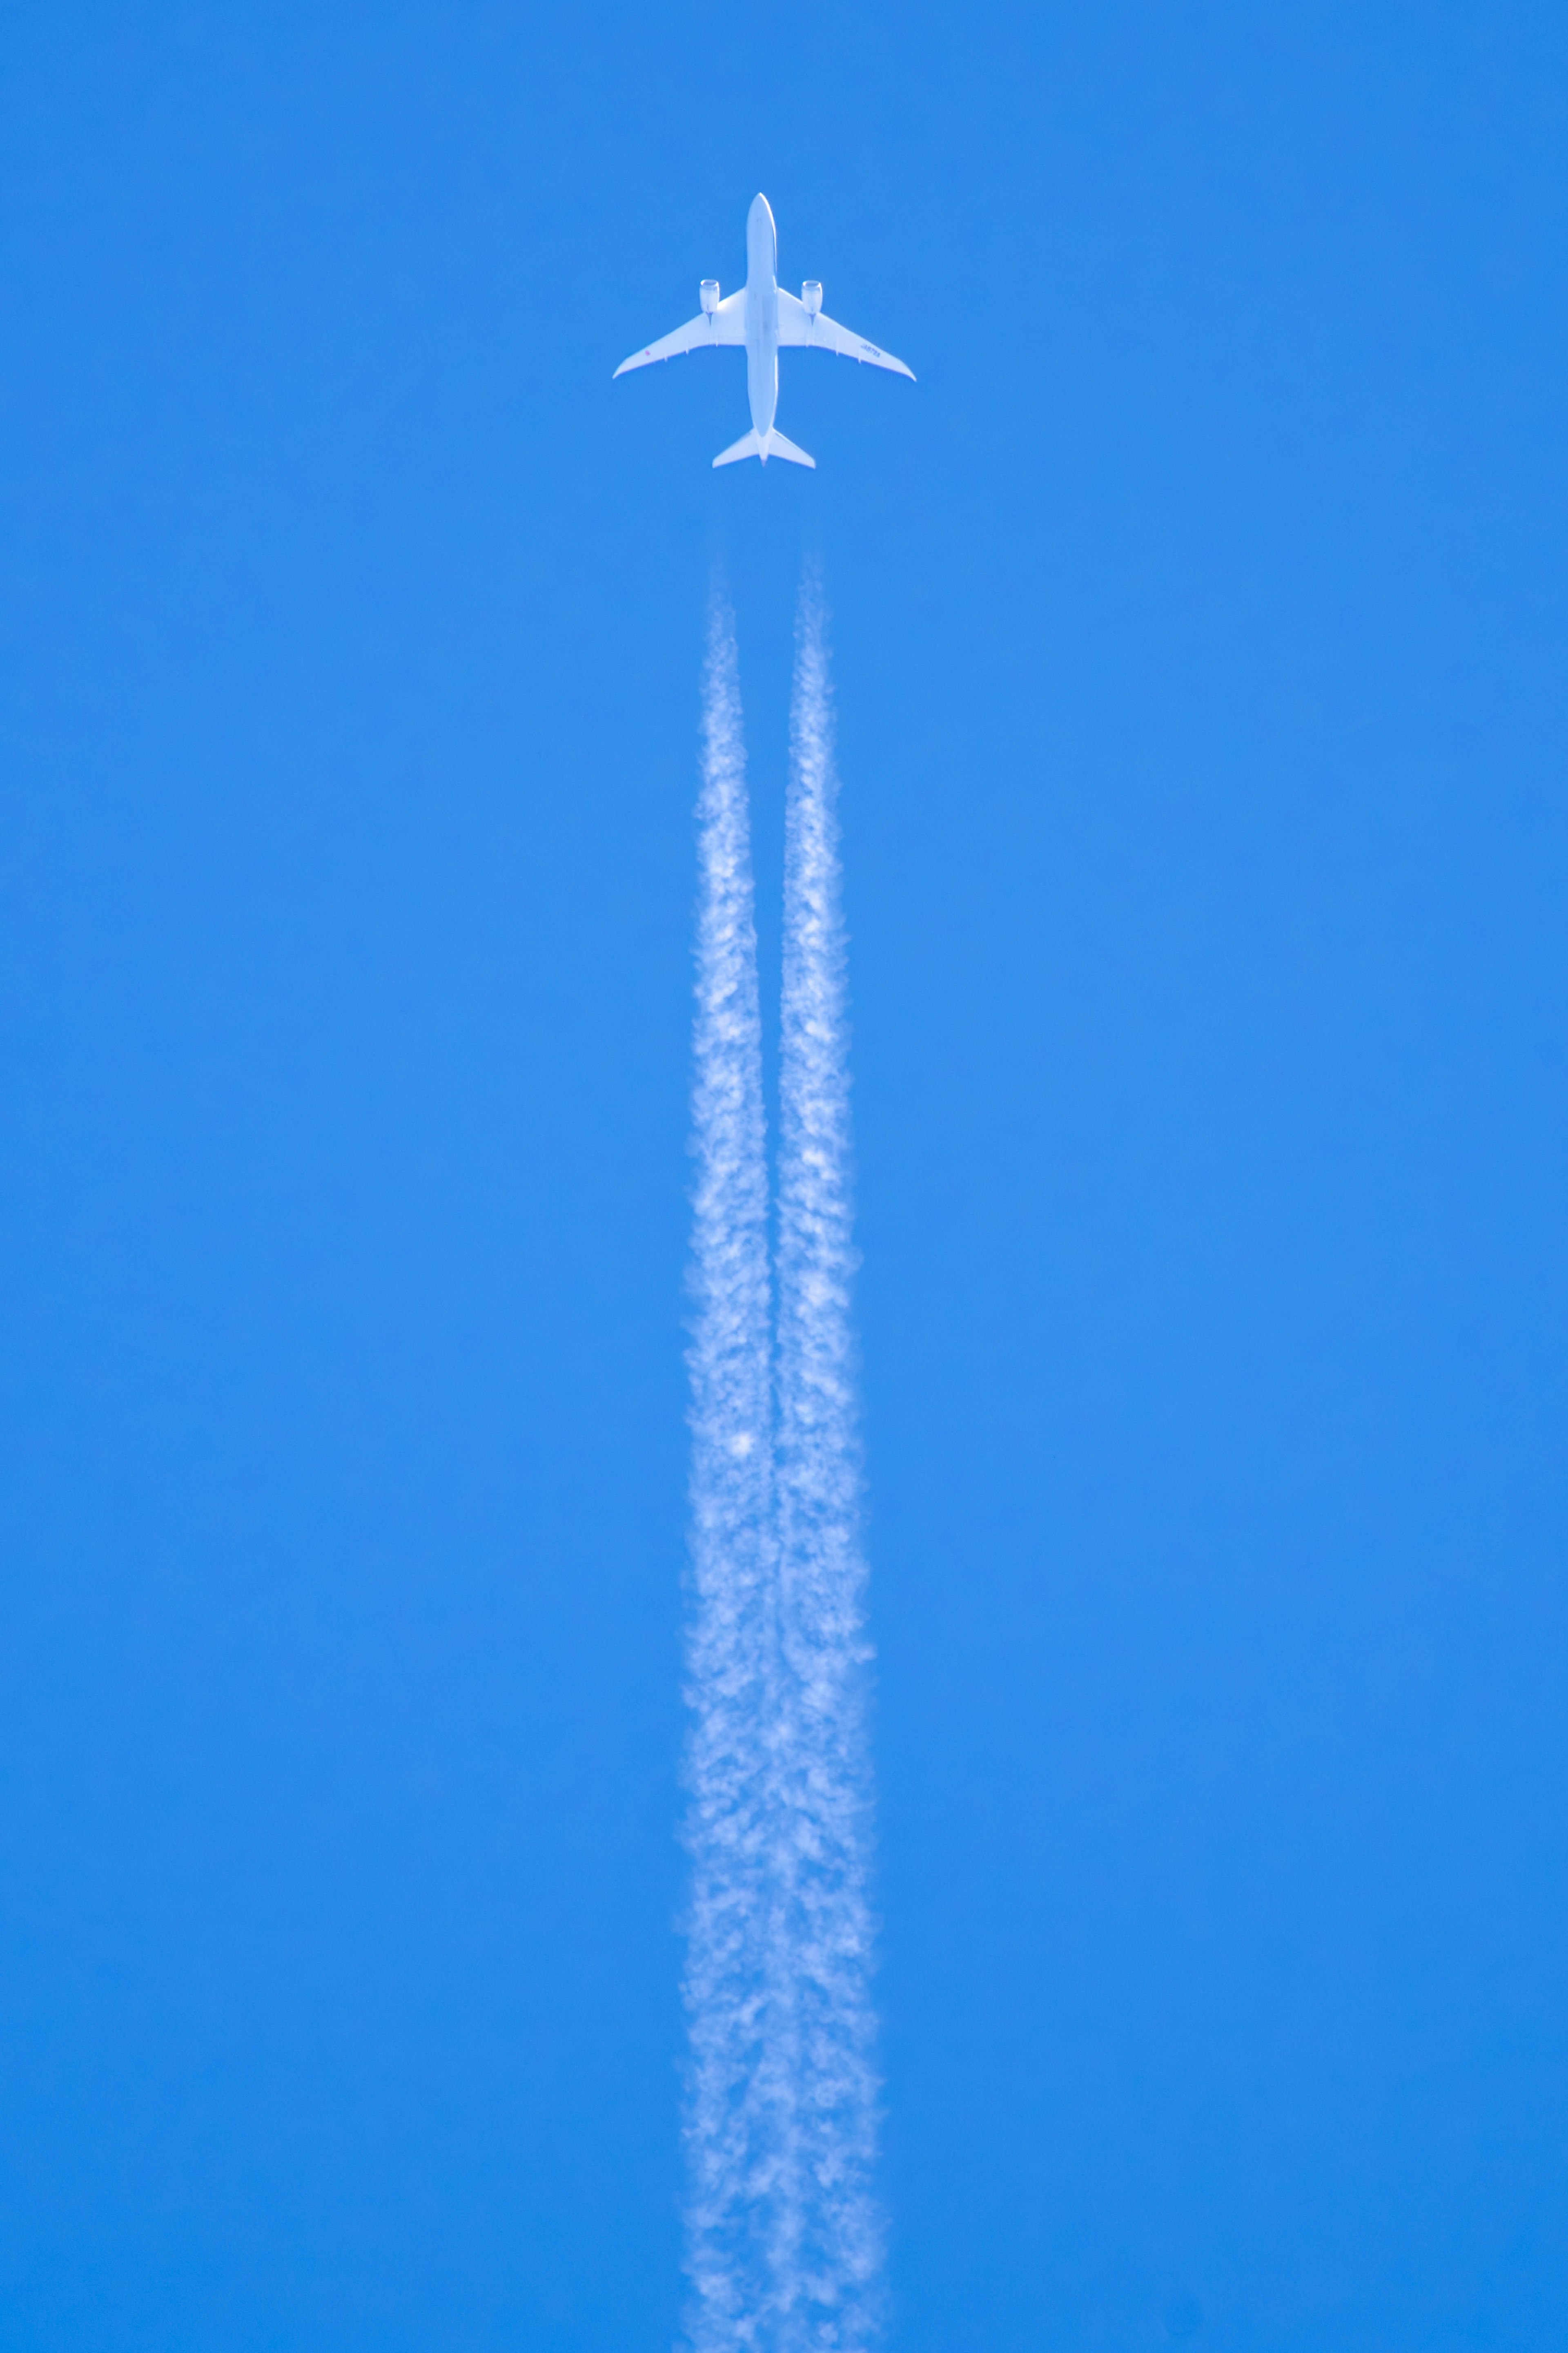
784 2234
733 2129
833 2273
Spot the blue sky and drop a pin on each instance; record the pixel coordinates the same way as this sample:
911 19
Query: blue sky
1198 621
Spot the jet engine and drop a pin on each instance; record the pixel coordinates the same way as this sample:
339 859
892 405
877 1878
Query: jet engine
811 297
709 295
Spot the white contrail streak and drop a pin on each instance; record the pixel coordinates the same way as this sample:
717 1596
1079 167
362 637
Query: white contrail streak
784 2235
829 2279
732 2126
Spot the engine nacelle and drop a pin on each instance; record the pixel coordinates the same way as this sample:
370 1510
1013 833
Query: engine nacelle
710 296
811 297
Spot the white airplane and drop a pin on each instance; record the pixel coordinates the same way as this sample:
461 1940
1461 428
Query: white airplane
762 316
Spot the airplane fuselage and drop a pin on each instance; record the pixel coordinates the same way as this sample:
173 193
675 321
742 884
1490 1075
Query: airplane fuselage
762 316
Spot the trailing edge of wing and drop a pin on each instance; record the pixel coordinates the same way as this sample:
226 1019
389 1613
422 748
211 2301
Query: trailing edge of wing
727 325
796 325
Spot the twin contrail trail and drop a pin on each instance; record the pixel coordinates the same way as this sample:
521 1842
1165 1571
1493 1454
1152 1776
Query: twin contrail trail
784 2233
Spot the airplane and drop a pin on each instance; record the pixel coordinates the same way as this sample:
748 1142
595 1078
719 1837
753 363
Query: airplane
762 317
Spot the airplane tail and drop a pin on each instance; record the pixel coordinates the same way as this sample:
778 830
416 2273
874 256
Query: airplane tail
772 445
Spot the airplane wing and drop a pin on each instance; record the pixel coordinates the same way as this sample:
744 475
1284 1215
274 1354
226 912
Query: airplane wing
727 325
821 333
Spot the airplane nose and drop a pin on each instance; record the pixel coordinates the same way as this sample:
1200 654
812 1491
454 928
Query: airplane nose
762 237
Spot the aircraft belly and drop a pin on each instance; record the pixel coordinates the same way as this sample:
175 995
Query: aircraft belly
763 378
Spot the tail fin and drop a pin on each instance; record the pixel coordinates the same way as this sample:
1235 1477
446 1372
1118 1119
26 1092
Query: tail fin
751 445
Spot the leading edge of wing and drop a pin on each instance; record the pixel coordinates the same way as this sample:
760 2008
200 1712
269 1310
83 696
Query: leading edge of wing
726 325
821 333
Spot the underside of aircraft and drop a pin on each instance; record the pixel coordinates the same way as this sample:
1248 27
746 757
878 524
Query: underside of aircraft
764 319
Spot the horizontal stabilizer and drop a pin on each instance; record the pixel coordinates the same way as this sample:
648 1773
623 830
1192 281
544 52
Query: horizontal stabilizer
751 445
777 447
